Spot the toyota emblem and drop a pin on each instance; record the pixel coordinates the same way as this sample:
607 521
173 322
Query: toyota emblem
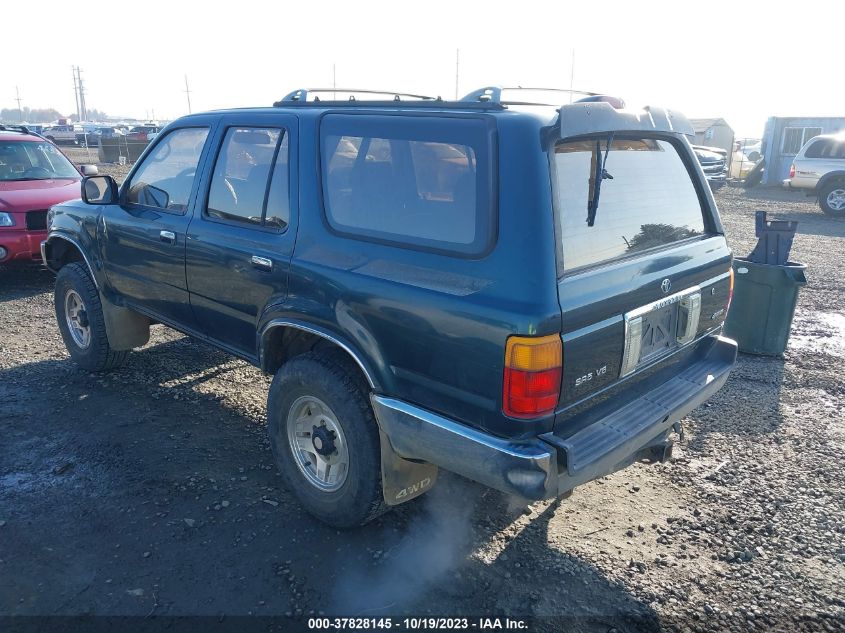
665 285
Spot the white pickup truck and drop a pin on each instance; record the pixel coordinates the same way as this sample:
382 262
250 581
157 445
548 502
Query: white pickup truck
63 134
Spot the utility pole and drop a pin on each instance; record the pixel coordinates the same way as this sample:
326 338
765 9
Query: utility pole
82 96
18 99
188 93
457 70
571 75
334 81
76 93
81 110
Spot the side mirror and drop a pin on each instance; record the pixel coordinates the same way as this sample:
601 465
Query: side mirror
99 190
89 170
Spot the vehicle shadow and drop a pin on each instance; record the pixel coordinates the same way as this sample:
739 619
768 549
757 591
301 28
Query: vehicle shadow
785 205
23 281
161 477
463 550
748 405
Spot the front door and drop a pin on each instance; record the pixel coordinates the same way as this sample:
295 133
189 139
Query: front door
144 237
242 236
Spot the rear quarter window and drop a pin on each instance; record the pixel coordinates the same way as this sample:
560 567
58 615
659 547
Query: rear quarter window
422 182
650 201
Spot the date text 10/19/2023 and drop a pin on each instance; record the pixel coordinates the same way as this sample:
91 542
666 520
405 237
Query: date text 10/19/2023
418 624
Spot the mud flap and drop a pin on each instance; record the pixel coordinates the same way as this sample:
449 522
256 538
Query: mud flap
125 329
402 479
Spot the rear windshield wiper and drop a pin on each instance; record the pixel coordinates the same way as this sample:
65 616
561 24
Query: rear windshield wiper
599 175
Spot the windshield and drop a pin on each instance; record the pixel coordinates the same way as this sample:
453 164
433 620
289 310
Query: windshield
647 199
33 160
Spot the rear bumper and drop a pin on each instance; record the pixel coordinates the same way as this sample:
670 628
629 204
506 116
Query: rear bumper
21 245
551 465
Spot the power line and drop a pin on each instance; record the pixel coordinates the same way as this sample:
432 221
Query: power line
187 92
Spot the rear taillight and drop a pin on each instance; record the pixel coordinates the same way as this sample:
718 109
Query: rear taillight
792 170
533 368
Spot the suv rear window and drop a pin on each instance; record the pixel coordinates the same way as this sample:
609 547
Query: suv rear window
649 202
826 148
418 181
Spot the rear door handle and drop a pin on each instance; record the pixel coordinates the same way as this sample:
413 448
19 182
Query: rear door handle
262 263
167 236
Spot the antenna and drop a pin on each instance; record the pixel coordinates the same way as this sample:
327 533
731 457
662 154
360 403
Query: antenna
188 94
334 81
457 70
18 99
571 75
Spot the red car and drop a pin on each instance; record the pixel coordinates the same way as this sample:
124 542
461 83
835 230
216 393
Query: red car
34 175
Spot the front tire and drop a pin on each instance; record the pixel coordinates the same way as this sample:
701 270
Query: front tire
325 440
832 199
79 314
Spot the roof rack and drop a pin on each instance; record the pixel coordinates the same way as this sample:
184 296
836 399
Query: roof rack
15 128
22 129
302 94
493 94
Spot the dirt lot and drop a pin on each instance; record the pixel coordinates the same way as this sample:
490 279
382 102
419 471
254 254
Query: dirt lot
151 492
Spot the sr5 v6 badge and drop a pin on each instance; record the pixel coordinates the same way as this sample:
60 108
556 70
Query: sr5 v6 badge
601 371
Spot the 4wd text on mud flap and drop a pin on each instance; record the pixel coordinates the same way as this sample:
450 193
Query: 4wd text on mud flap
414 488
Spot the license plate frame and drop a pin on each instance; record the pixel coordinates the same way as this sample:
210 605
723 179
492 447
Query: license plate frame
659 332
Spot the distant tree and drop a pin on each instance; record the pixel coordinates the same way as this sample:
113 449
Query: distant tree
93 115
30 115
652 235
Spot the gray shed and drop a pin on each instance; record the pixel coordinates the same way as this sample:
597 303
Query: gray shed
713 133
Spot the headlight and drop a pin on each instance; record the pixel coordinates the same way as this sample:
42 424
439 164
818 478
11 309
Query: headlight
6 219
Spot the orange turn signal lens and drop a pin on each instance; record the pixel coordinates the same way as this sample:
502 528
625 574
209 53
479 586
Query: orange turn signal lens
527 353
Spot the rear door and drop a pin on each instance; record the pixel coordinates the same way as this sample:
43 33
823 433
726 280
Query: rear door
650 276
242 236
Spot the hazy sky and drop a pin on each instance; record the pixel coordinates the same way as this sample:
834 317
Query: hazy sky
740 60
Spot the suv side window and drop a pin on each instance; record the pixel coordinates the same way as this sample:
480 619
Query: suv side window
417 181
166 176
249 184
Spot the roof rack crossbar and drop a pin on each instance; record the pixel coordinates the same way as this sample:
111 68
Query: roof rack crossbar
302 94
15 128
493 94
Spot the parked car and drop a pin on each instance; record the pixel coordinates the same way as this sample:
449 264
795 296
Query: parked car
38 128
144 133
34 175
429 289
741 165
819 170
713 166
93 137
62 134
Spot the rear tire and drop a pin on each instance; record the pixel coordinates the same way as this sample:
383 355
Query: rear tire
79 314
832 198
317 404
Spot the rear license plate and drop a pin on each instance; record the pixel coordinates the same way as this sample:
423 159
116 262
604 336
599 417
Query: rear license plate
659 332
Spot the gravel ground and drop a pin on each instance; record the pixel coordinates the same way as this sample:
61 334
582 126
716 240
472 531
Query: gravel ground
151 491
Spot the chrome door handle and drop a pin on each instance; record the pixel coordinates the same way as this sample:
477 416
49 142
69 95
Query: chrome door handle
262 263
167 236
